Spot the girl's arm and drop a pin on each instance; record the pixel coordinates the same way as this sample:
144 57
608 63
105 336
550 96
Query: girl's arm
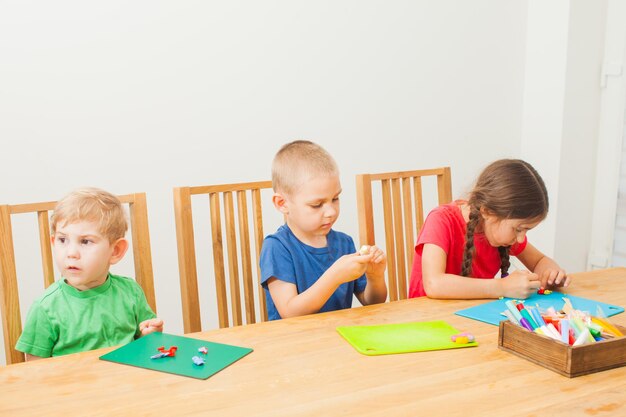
550 273
439 284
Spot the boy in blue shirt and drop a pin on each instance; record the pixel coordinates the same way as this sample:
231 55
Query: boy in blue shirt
306 266
89 308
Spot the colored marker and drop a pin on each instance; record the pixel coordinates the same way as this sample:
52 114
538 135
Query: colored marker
511 317
565 331
526 315
526 324
510 304
537 316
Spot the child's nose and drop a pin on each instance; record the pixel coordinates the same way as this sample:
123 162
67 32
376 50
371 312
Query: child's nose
72 251
330 211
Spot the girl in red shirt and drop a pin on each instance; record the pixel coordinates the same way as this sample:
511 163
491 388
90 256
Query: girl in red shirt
464 242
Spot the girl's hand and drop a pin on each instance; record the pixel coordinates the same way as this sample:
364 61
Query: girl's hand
520 284
150 326
551 278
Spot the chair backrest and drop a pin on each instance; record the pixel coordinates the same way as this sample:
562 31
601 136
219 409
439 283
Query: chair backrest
9 298
403 213
237 236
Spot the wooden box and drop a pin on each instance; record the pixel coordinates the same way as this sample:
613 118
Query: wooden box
570 361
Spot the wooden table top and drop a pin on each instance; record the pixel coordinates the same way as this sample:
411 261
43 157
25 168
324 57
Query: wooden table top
303 367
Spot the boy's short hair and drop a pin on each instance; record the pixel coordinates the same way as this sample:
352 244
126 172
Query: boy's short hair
95 205
297 161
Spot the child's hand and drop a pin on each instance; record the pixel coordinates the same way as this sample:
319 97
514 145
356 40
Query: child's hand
520 284
378 262
150 326
551 278
350 267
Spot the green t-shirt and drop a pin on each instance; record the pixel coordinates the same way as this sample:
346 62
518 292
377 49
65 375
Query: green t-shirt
65 320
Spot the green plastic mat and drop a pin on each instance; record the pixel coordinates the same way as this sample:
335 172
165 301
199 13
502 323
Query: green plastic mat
138 353
386 339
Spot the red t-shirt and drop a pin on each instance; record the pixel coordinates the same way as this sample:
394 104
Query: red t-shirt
446 227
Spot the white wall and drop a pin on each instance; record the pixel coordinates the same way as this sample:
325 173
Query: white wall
149 95
564 54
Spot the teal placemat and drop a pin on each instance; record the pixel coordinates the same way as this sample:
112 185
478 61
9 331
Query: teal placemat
138 353
491 312
385 339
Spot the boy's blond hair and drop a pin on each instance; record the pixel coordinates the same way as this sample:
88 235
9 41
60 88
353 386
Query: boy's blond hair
95 205
298 161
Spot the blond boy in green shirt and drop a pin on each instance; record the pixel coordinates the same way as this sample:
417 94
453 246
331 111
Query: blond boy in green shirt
89 308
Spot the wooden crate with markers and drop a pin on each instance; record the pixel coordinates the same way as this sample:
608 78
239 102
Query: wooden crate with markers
570 361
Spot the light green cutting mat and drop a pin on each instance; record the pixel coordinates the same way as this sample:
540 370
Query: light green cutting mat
385 339
138 352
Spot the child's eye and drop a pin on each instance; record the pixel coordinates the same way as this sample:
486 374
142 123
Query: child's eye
61 240
335 199
85 241
316 206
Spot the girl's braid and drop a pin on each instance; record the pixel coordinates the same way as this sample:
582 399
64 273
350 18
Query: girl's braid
468 254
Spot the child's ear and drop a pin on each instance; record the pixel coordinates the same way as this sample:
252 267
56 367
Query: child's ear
120 246
280 202
484 212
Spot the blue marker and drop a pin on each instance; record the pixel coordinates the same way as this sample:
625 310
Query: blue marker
536 316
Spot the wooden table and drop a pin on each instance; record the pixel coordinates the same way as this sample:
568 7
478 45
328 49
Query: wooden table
302 367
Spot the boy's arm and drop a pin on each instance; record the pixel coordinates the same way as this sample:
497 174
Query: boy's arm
376 289
550 273
439 284
291 304
28 357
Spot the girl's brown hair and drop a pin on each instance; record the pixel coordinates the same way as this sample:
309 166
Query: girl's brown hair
508 189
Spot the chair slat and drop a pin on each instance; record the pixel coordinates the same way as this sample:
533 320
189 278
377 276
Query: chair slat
218 260
398 231
187 260
391 253
258 239
10 307
365 209
142 252
246 263
407 210
419 204
233 269
46 250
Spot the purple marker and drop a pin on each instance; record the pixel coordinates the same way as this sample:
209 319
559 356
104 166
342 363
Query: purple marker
526 324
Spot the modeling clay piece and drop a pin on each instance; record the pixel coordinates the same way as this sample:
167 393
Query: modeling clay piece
364 250
463 338
197 360
168 352
203 350
541 291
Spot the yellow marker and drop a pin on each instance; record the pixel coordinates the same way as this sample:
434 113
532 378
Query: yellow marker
607 326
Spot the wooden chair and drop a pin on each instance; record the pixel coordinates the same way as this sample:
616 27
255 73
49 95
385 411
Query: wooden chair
9 299
403 213
234 225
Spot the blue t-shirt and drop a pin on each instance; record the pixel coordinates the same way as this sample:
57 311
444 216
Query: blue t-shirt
286 258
